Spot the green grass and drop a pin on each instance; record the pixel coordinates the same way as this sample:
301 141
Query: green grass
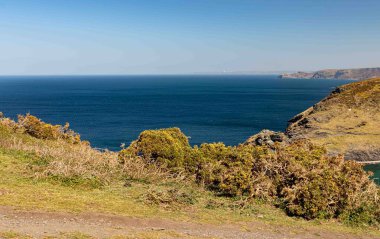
20 189
12 234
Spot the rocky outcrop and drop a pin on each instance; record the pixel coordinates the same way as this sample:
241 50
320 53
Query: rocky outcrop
363 155
267 138
345 122
343 74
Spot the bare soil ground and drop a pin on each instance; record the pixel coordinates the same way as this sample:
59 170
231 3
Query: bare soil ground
38 224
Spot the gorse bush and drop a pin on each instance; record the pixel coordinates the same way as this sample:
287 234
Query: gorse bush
299 177
35 127
313 185
166 147
227 170
41 130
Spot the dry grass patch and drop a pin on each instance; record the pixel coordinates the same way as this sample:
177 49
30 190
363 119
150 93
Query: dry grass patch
74 163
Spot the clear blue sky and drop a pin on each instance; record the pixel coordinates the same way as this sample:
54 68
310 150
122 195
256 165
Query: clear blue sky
194 36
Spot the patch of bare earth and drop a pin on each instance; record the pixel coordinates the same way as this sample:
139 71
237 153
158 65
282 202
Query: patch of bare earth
38 224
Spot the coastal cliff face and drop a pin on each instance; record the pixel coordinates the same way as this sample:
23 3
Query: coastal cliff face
345 122
344 74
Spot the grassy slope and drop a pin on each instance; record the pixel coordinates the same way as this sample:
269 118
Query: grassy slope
344 121
21 187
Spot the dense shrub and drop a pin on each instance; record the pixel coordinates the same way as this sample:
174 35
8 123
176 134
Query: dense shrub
41 130
33 126
227 170
322 186
299 177
165 147
8 124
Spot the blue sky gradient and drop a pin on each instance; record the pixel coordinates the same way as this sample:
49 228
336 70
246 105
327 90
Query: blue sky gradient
179 37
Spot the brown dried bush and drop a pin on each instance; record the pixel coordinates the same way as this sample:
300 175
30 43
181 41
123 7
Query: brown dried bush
169 197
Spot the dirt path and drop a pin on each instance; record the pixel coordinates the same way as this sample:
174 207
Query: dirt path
42 224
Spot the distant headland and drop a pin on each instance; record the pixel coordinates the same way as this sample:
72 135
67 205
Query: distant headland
341 74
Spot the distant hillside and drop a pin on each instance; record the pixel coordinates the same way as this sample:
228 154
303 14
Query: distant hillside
347 121
343 74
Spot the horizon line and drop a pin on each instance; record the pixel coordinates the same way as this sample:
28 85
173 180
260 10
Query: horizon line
148 74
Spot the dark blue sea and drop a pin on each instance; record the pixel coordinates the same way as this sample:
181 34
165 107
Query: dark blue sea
110 110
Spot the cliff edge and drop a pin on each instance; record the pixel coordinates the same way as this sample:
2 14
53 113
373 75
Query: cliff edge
345 122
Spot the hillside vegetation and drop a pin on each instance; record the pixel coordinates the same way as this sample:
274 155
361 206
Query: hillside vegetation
161 171
346 122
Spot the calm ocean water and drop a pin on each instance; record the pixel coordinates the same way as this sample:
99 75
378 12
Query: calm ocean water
110 110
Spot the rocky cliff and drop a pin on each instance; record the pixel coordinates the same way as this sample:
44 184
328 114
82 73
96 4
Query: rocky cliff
346 122
344 74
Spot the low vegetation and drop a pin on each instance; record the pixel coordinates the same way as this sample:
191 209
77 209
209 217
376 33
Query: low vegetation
345 122
35 127
161 169
299 178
